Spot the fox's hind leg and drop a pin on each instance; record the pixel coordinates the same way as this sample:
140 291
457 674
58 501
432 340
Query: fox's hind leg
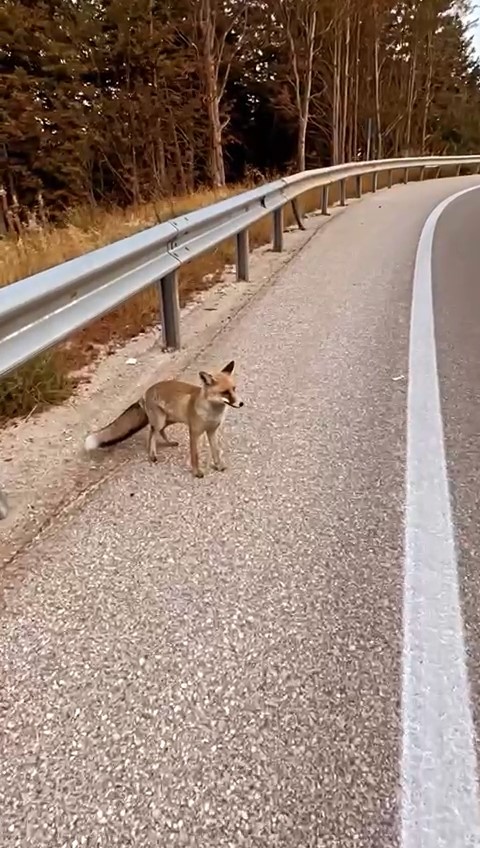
169 442
157 420
197 471
152 444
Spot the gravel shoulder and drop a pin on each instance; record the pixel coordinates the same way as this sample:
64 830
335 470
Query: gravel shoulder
43 467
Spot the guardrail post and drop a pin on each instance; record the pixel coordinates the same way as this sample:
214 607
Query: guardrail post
437 172
422 172
343 192
278 230
170 311
325 199
405 176
459 170
358 186
242 255
390 179
374 180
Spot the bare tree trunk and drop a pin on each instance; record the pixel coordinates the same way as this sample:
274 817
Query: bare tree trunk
428 94
162 164
190 167
346 87
336 99
134 181
307 92
217 55
410 99
209 68
155 162
301 143
302 48
356 92
217 165
176 144
397 144
376 77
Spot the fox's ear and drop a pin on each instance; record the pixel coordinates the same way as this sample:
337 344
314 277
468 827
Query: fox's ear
229 368
206 378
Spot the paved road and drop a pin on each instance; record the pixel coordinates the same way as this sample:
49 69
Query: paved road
219 662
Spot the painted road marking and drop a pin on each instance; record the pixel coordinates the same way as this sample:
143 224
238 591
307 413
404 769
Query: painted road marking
440 794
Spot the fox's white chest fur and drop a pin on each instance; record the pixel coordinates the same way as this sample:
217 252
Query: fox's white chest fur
212 414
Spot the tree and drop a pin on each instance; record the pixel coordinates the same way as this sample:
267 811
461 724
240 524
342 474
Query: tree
217 36
122 101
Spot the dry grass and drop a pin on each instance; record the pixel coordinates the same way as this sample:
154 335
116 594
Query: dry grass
52 377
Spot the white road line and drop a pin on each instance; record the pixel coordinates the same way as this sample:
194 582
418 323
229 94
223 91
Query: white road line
440 794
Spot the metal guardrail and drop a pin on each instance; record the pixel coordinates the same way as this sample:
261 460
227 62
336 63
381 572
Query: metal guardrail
42 310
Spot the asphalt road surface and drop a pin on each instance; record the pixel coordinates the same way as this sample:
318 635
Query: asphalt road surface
287 654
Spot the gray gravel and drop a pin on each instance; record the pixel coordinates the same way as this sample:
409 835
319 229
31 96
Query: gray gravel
216 662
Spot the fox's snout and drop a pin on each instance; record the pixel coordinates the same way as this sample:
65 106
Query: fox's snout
231 400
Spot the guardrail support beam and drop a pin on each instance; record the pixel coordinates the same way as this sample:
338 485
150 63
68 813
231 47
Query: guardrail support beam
358 186
243 252
374 180
343 192
170 308
325 199
278 230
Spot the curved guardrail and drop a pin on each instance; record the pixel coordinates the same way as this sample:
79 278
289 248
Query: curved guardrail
42 310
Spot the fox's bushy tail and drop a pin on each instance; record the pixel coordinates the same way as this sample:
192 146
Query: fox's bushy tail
127 424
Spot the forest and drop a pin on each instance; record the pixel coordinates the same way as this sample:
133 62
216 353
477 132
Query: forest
116 102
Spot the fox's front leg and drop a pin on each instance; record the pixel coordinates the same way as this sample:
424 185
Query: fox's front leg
194 458
218 463
157 422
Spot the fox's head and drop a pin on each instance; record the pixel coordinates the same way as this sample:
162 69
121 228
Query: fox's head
220 388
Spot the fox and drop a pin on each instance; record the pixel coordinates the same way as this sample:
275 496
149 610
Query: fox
201 408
